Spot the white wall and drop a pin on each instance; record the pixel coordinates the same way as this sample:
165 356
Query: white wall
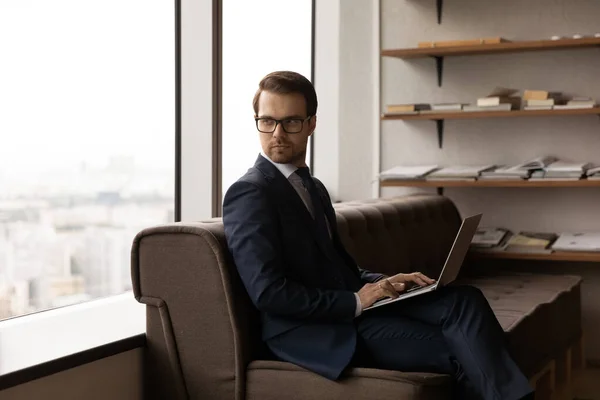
196 112
344 72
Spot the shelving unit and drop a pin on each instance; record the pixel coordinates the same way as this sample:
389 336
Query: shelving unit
438 53
440 118
440 185
555 256
492 114
583 183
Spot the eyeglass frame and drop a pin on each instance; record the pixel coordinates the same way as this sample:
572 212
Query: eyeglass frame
280 121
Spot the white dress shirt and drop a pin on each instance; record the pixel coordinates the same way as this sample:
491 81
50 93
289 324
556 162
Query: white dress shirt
288 170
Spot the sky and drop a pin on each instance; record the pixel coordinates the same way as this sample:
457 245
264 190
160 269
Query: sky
84 80
81 81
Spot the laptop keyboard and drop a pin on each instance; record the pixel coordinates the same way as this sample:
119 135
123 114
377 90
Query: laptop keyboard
415 287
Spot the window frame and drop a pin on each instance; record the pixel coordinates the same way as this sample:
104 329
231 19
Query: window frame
197 166
60 326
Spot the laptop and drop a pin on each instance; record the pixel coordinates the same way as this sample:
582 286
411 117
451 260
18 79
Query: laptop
451 268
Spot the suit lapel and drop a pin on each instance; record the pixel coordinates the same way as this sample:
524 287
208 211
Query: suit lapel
282 187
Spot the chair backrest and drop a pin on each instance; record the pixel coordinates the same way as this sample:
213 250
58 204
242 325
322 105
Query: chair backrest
401 234
202 329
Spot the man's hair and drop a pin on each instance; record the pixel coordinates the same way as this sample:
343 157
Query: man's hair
285 82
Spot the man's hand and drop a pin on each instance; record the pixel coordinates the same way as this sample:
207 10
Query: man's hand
415 277
372 292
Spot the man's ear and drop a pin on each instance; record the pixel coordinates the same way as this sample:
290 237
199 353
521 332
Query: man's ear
312 123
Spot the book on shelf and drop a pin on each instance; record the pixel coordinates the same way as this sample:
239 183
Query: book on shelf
537 163
504 172
593 173
447 106
547 102
457 43
500 247
561 171
407 108
573 106
407 172
451 178
577 103
500 96
486 237
513 102
476 108
540 95
593 169
567 241
531 242
444 107
538 108
461 172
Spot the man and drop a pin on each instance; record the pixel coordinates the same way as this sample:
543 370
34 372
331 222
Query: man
281 230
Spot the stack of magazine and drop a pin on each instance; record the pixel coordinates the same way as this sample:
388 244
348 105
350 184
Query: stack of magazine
500 239
593 173
588 241
519 171
561 171
407 172
492 239
459 172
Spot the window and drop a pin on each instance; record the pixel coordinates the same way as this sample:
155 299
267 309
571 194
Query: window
259 37
87 138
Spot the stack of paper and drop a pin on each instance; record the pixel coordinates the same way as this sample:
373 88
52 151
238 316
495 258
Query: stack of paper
488 237
593 173
577 102
460 172
561 170
531 242
505 173
577 242
407 172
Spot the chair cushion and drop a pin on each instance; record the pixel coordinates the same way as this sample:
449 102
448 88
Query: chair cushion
276 380
540 313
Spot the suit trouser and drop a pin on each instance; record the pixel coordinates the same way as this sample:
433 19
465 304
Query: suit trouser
453 331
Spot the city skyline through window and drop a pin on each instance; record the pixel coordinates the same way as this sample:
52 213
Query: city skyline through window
87 138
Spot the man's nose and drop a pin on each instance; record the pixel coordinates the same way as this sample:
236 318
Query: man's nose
279 132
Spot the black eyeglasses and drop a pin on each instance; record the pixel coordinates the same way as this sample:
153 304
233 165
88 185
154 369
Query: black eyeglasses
290 125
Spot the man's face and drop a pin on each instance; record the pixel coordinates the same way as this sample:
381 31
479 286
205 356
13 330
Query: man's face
282 147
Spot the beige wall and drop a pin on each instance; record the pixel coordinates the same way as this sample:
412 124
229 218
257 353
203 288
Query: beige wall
116 378
403 24
345 70
496 140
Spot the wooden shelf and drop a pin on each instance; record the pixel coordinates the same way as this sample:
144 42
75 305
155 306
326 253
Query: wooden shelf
555 256
490 183
496 48
491 114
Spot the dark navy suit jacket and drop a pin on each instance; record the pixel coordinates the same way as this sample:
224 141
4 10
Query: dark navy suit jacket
291 274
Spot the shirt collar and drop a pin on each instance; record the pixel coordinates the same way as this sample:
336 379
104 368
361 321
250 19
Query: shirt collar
286 169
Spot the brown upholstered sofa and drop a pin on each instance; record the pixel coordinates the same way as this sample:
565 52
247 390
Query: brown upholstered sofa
203 332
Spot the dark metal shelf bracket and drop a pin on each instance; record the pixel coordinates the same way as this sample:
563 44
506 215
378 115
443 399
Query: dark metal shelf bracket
440 132
440 3
439 65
